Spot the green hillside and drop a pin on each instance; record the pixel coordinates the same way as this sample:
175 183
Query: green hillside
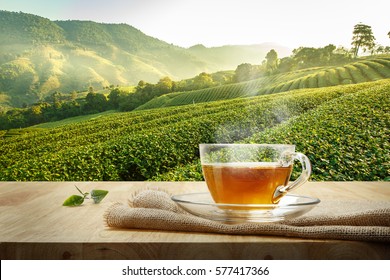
39 57
22 28
364 70
340 148
324 123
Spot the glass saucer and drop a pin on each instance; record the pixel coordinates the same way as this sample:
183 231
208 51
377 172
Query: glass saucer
202 205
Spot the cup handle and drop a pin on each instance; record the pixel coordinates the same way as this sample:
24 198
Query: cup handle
306 171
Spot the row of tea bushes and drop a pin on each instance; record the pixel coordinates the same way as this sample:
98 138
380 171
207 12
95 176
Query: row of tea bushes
346 138
229 91
353 73
142 145
364 70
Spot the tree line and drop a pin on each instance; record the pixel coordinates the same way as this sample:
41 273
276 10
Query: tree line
306 57
55 107
58 106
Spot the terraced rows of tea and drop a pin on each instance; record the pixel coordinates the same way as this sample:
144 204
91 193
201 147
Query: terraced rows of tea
143 145
353 73
346 138
229 91
364 70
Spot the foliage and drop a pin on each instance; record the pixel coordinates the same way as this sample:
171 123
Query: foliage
272 61
40 57
246 71
362 38
149 144
337 143
146 95
364 70
96 102
76 200
340 148
71 55
306 57
48 112
26 28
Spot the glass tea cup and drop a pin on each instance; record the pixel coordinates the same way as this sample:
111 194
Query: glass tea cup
251 173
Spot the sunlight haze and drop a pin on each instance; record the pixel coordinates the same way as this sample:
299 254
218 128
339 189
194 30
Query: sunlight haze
226 22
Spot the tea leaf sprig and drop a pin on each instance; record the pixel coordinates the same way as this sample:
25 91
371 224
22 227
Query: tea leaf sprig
77 200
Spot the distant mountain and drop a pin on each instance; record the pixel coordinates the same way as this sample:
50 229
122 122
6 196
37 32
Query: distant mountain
39 56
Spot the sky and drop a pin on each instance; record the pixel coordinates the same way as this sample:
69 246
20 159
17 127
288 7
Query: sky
291 23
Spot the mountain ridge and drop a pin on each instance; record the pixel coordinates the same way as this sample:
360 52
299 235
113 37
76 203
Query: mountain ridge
39 56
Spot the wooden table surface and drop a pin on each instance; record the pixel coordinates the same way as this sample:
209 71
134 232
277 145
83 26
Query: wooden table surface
35 225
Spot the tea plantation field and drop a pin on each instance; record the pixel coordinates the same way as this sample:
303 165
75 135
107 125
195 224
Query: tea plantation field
343 129
364 70
346 138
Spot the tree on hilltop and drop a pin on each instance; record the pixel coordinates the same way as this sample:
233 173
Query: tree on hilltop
246 72
95 102
362 38
272 61
163 86
203 80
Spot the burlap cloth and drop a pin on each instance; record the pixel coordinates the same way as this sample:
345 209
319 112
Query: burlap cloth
347 220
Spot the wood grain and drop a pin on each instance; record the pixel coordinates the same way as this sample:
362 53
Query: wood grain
35 225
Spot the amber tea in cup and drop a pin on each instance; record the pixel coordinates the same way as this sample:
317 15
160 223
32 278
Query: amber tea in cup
251 173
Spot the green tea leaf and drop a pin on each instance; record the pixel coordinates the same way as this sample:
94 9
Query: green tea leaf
74 200
98 195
